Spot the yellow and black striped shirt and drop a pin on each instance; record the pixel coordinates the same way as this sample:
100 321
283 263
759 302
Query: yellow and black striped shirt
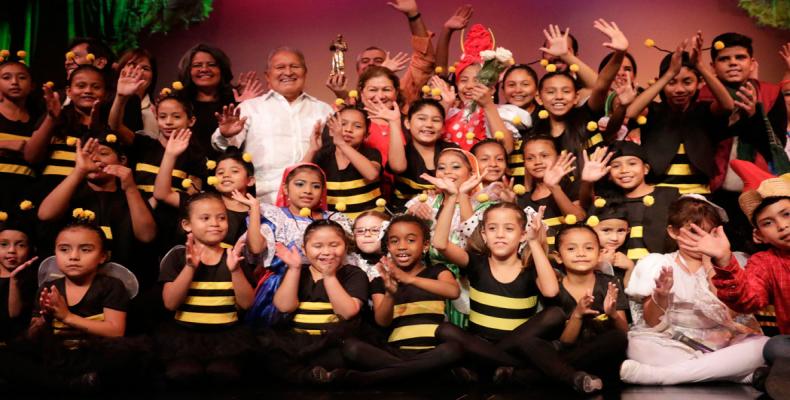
12 163
408 183
681 174
148 154
347 186
315 315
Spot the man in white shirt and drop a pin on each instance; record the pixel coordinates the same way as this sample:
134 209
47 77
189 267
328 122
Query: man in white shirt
275 128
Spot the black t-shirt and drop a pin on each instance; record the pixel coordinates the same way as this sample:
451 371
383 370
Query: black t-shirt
15 172
592 325
553 215
408 183
26 282
211 301
205 125
498 308
315 314
347 186
147 154
417 312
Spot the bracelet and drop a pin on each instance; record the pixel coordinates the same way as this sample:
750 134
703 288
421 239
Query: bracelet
652 297
415 17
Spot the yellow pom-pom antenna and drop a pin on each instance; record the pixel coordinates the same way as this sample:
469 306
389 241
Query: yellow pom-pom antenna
438 70
651 82
650 42
482 198
212 180
436 92
511 61
593 221
353 94
451 69
3 216
544 62
90 57
592 126
177 85
71 141
21 54
499 135
2 59
25 205
247 157
89 215
519 189
77 213
4 53
165 91
516 120
381 203
600 202
648 200
111 138
186 183
718 45
470 135
426 89
50 84
339 102
305 212
641 120
551 68
543 114
574 67
570 219
211 164
422 197
70 56
340 207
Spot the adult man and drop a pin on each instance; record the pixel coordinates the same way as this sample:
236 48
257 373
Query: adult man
274 128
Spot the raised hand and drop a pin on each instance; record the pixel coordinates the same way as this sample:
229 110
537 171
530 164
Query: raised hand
316 139
472 182
83 161
695 48
617 40
389 113
22 267
123 173
610 301
447 95
230 120
247 199
421 210
562 166
747 98
556 40
337 83
335 126
290 256
52 101
194 251
626 93
535 227
583 306
482 94
390 284
234 256
664 283
178 142
596 165
460 19
445 185
249 87
408 7
130 81
506 193
714 245
676 62
784 52
397 63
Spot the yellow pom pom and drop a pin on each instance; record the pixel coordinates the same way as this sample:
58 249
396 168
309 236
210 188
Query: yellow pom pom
50 84
339 102
212 180
718 45
21 54
25 205
340 207
570 219
71 141
2 59
648 200
482 198
499 135
516 120
305 212
436 92
77 213
177 85
651 82
70 55
22 62
650 42
381 203
90 57
422 197
426 89
593 221
3 216
451 69
4 53
438 70
247 157
186 183
511 61
89 215
543 114
641 120
111 138
599 202
544 62
551 68
519 189
592 126
574 68
165 91
353 94
470 135
211 164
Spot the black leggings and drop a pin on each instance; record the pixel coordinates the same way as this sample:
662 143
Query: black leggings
381 365
191 372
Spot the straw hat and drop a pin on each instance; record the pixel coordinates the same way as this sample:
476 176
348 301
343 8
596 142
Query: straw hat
758 185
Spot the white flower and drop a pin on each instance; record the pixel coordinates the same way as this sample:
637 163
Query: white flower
488 55
503 55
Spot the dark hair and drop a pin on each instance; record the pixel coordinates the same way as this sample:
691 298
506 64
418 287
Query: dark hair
764 204
565 229
522 216
96 47
486 141
187 207
540 138
234 153
419 104
375 71
524 67
91 226
609 57
664 66
454 151
542 82
690 210
225 89
407 219
186 104
574 44
88 67
135 55
731 39
306 167
358 108
325 223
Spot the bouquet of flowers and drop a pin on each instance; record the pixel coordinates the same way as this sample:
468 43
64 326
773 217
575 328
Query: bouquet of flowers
494 62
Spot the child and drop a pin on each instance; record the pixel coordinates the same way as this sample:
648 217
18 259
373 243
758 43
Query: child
675 341
352 169
207 286
418 156
492 157
17 281
323 298
611 226
408 300
519 90
367 229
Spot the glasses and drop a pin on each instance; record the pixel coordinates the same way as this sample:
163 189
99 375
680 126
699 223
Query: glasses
364 231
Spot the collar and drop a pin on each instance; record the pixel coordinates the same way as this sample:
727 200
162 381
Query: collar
272 94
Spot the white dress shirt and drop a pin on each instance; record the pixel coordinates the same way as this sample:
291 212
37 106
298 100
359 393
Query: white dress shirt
276 134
